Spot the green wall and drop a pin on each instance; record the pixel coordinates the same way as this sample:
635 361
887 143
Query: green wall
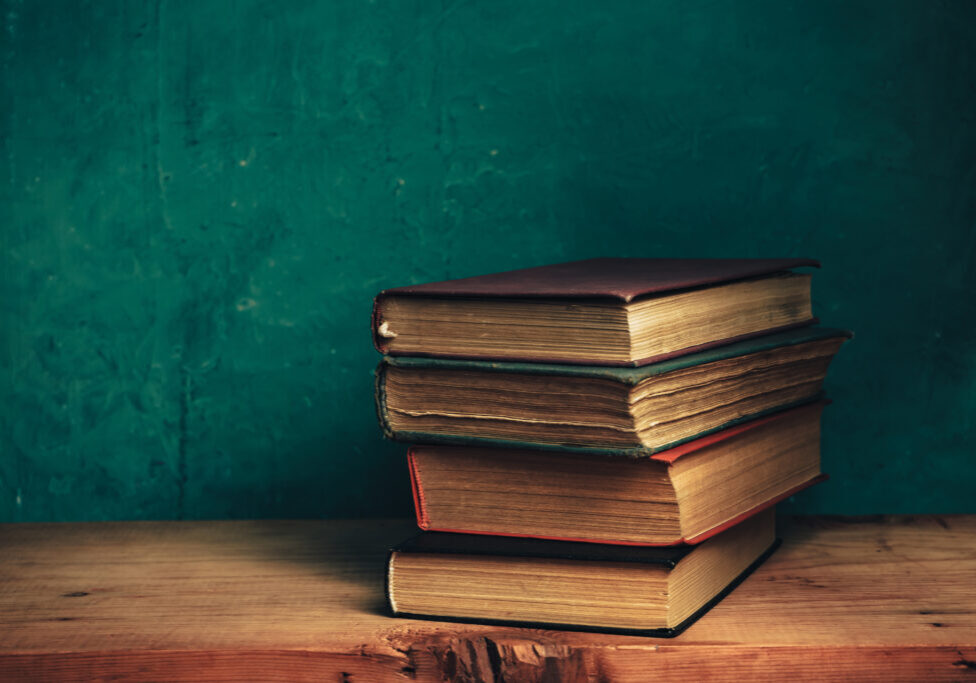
200 198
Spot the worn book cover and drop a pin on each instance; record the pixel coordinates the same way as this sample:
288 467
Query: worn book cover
571 586
740 472
460 426
603 282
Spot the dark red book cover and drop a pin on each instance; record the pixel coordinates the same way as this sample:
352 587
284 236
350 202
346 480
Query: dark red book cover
623 279
617 279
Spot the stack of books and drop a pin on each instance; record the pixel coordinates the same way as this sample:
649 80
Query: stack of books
598 445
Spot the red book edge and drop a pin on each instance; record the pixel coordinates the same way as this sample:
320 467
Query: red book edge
418 495
374 326
759 508
672 454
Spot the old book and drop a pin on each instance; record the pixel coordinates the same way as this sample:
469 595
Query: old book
583 586
682 495
608 311
600 409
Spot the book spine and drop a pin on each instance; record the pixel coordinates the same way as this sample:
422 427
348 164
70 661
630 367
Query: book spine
379 394
419 503
388 583
378 341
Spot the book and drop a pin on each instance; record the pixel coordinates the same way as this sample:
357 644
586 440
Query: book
685 494
631 411
575 586
607 311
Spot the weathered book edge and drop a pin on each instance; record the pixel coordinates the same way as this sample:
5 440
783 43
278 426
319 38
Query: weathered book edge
691 540
652 633
419 505
379 394
632 452
629 375
556 360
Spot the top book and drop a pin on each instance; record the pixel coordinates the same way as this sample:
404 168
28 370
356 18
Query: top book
606 311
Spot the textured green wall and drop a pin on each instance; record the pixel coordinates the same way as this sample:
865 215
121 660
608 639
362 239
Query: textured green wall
200 198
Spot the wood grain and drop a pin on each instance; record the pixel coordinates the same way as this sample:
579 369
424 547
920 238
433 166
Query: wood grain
882 598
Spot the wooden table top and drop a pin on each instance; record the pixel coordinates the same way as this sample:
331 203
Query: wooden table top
880 598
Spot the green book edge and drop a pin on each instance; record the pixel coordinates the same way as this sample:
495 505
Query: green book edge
635 452
629 376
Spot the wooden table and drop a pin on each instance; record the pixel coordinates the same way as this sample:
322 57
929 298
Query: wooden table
880 598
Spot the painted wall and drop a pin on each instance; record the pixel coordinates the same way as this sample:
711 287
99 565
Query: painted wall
200 198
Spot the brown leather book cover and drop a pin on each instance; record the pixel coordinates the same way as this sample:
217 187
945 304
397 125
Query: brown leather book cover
623 279
613 279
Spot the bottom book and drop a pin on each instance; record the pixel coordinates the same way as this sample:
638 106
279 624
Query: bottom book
649 591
